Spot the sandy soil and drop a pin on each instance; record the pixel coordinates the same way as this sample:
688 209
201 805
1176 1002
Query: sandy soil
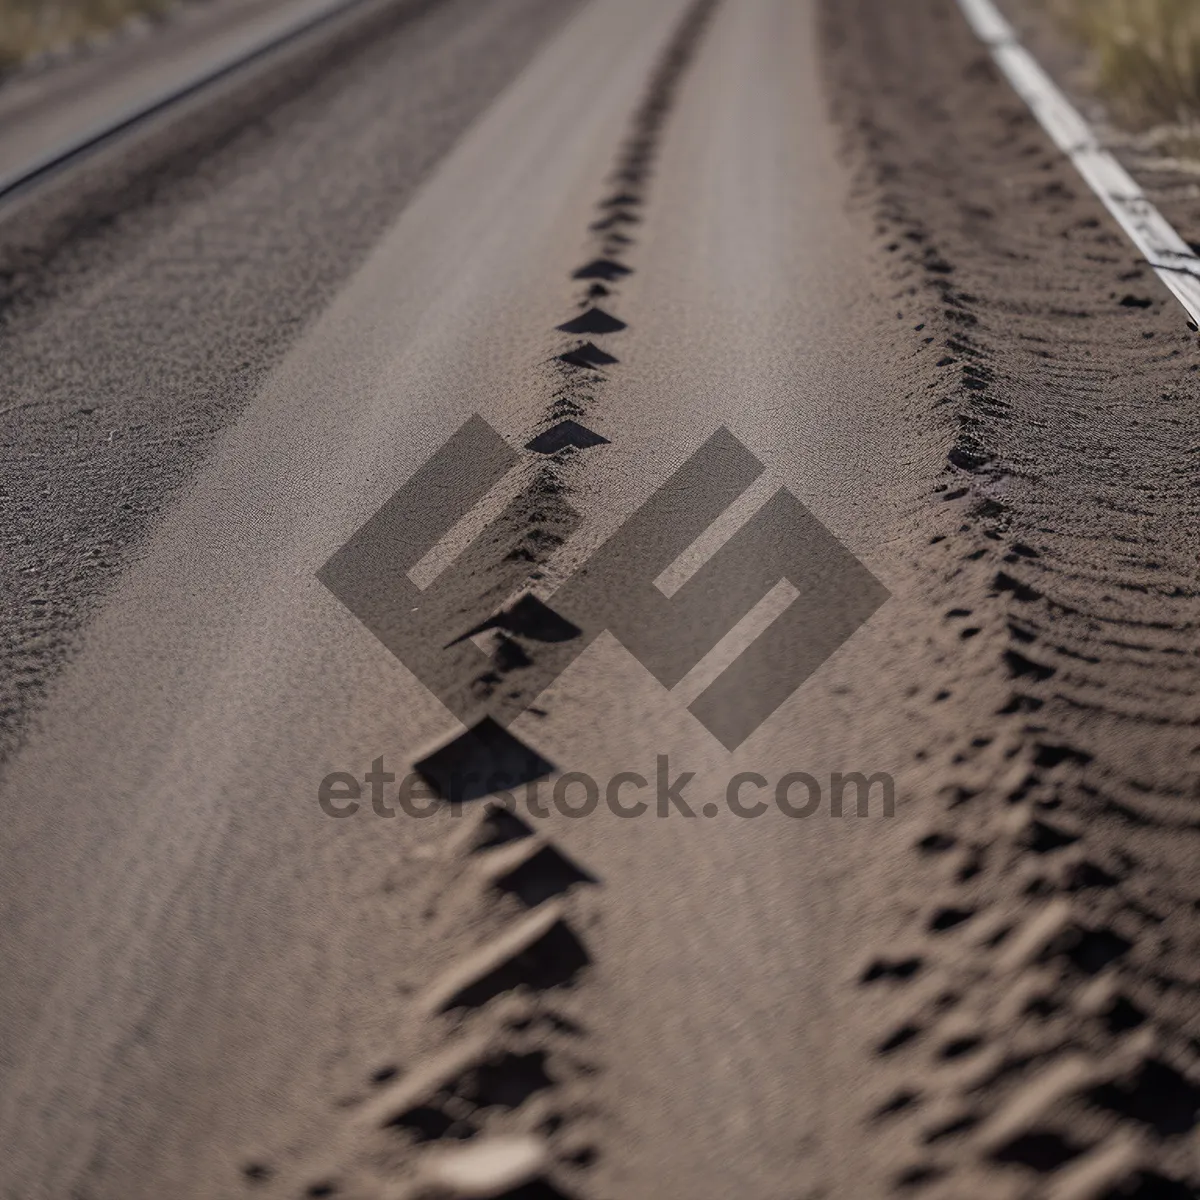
847 244
1049 1040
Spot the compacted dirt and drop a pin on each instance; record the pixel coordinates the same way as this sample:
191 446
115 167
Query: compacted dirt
806 273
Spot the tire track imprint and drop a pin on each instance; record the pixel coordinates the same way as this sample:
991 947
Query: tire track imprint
579 372
1039 1036
502 1108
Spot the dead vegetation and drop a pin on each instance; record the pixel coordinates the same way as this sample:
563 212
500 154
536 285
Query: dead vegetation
29 28
1146 55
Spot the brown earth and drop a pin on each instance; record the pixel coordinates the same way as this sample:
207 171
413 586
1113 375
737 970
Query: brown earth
847 243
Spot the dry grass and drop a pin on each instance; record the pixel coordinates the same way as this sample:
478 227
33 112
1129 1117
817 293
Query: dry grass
31 27
1147 56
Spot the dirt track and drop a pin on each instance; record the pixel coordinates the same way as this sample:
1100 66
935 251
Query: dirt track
849 245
